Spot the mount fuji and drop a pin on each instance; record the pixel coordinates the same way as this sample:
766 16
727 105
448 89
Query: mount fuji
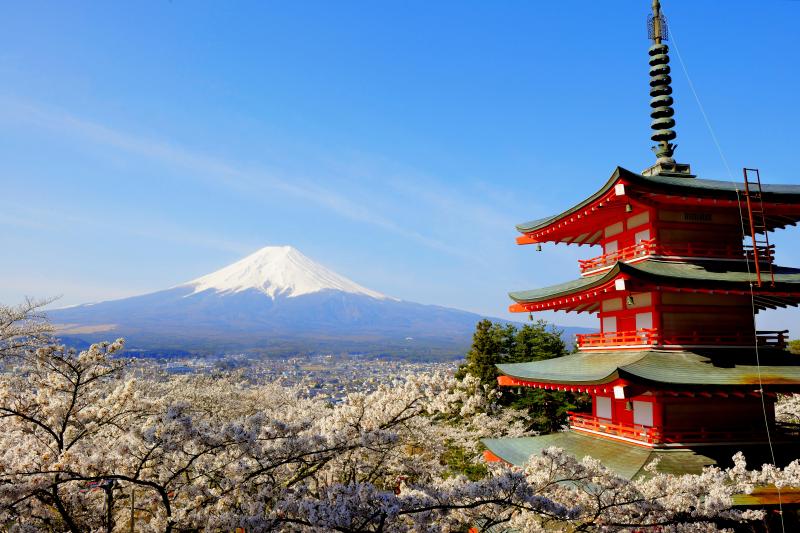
275 301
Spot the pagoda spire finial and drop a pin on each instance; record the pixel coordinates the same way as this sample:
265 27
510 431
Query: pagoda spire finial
660 90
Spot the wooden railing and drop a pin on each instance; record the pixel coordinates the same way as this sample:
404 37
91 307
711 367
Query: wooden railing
654 435
646 434
637 337
653 337
650 247
628 253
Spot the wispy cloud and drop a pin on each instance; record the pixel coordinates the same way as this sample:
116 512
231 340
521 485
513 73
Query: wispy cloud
30 217
214 170
453 203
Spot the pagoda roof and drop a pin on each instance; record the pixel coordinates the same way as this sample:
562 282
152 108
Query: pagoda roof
626 460
700 274
681 368
675 186
630 461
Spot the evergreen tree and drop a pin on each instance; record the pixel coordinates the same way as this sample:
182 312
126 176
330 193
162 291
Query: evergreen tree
492 344
497 343
537 341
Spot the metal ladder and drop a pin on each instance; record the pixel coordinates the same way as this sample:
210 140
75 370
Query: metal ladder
761 252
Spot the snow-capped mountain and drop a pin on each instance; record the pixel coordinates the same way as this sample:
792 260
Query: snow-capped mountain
277 271
274 301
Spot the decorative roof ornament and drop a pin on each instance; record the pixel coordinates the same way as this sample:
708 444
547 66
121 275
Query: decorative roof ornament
661 112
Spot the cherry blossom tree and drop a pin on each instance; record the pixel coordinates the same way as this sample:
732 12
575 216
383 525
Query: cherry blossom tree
22 326
92 442
787 408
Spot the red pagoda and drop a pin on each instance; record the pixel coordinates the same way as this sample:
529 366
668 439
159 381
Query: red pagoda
678 370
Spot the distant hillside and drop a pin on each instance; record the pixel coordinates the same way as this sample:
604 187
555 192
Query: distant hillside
274 302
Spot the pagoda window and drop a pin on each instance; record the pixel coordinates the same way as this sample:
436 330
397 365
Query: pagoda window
644 321
639 219
613 229
688 299
642 413
603 407
611 247
612 304
641 299
708 326
643 235
609 324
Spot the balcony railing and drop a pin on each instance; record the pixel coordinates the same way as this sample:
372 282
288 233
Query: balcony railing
628 253
653 337
654 435
648 337
637 432
650 247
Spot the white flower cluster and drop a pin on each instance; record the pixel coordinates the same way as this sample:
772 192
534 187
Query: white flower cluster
787 409
84 447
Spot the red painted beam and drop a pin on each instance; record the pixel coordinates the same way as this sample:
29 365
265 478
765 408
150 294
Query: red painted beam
509 381
594 294
526 239
489 457
771 207
565 226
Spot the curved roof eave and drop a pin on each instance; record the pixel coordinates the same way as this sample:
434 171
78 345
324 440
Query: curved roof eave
693 369
668 184
705 272
655 270
533 225
582 368
562 289
626 460
681 368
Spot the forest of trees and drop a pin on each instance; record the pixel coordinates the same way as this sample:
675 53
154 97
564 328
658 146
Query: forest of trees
91 442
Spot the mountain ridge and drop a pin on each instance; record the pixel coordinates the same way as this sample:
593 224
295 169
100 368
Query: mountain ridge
278 270
274 302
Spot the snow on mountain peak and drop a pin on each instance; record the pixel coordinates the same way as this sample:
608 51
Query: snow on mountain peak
278 271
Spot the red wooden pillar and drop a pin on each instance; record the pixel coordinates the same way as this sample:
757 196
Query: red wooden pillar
657 319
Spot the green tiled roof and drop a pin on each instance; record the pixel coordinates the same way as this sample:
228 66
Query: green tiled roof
736 367
723 272
707 274
673 185
581 368
626 460
629 461
562 288
688 368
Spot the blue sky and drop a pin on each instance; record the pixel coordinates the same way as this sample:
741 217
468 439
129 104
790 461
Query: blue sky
145 144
